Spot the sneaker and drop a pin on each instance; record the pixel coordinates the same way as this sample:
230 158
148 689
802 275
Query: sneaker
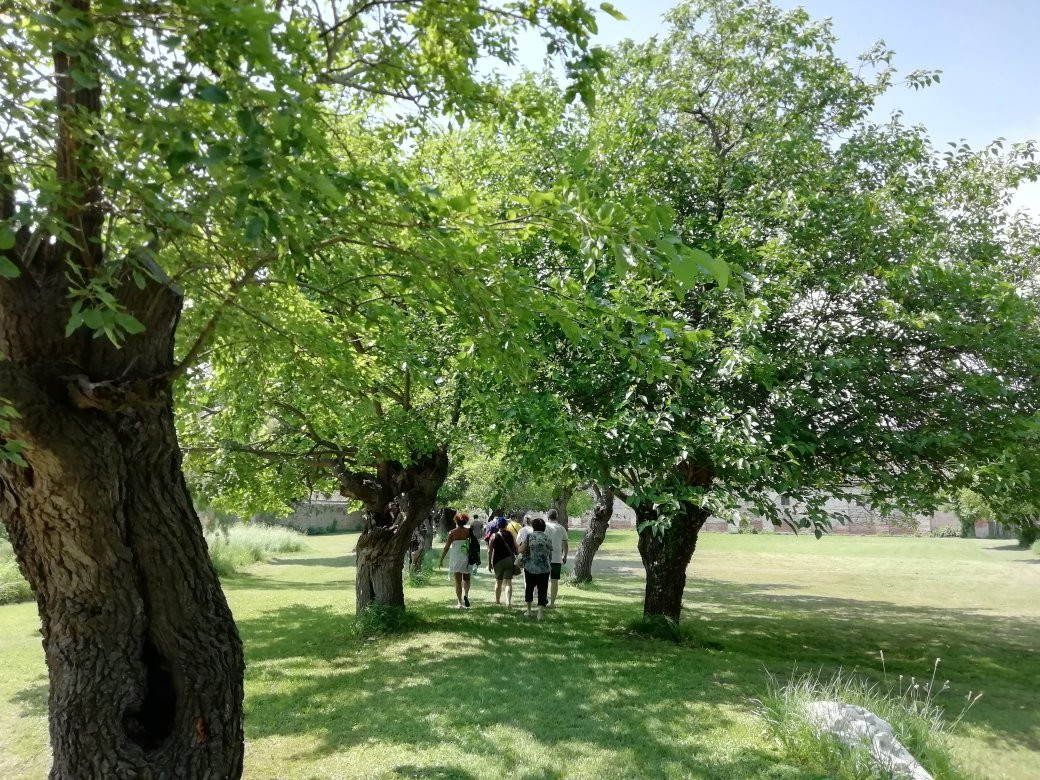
465 601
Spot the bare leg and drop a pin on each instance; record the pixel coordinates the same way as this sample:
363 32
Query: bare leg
509 594
554 586
458 588
498 591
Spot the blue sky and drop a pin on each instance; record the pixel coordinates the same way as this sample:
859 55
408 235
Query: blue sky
989 53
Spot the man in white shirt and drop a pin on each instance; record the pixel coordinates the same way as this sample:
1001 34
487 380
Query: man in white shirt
524 532
558 534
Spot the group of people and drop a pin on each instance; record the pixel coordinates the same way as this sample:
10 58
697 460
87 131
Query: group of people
537 546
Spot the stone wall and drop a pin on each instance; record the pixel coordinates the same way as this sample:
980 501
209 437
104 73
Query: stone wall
862 521
321 515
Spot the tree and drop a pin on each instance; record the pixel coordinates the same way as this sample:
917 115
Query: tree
876 340
602 511
181 156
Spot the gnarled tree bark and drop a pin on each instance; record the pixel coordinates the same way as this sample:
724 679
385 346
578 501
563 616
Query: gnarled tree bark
144 660
667 552
561 498
594 536
384 541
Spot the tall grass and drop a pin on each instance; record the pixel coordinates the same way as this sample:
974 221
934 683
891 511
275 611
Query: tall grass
909 706
13 586
242 545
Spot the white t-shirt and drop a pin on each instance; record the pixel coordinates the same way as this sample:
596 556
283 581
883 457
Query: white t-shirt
558 534
522 534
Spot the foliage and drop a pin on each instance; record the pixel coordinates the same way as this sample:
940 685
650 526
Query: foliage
946 532
501 480
418 579
910 707
878 339
1036 547
384 620
241 545
13 586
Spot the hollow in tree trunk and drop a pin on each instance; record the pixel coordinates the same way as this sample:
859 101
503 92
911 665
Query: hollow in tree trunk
666 554
384 541
594 536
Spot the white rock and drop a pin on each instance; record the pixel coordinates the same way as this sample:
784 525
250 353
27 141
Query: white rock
856 726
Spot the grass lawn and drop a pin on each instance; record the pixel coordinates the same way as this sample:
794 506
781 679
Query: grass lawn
482 693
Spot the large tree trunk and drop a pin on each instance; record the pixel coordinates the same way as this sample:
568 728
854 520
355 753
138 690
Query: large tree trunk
590 543
561 499
666 554
383 543
144 661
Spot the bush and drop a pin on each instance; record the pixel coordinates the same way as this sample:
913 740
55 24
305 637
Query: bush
909 707
1036 547
242 545
1027 534
13 586
417 579
383 620
945 532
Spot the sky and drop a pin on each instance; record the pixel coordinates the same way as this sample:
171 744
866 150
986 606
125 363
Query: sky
989 54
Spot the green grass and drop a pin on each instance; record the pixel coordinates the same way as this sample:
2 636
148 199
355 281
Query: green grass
13 586
481 693
243 545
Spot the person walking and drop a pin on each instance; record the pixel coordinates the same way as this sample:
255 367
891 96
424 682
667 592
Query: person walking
537 552
502 551
458 564
558 535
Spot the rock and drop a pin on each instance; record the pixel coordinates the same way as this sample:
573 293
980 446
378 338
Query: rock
856 726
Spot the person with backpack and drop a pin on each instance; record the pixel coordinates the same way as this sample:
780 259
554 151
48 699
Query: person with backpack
458 544
502 552
537 550
474 549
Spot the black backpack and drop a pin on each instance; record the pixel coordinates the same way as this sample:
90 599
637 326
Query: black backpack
474 549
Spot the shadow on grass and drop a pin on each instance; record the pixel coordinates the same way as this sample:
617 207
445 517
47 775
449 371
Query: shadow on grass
33 699
571 680
580 679
339 561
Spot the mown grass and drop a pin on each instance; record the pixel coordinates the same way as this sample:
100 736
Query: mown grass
482 693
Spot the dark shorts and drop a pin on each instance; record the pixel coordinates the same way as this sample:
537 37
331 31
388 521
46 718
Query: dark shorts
539 582
504 568
555 573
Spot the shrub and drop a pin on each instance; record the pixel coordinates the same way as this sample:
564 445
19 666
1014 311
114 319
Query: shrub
1036 547
242 545
13 586
945 532
417 579
1027 534
909 707
383 620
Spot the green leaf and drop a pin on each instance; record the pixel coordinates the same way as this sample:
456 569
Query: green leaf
129 323
211 93
610 10
7 237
